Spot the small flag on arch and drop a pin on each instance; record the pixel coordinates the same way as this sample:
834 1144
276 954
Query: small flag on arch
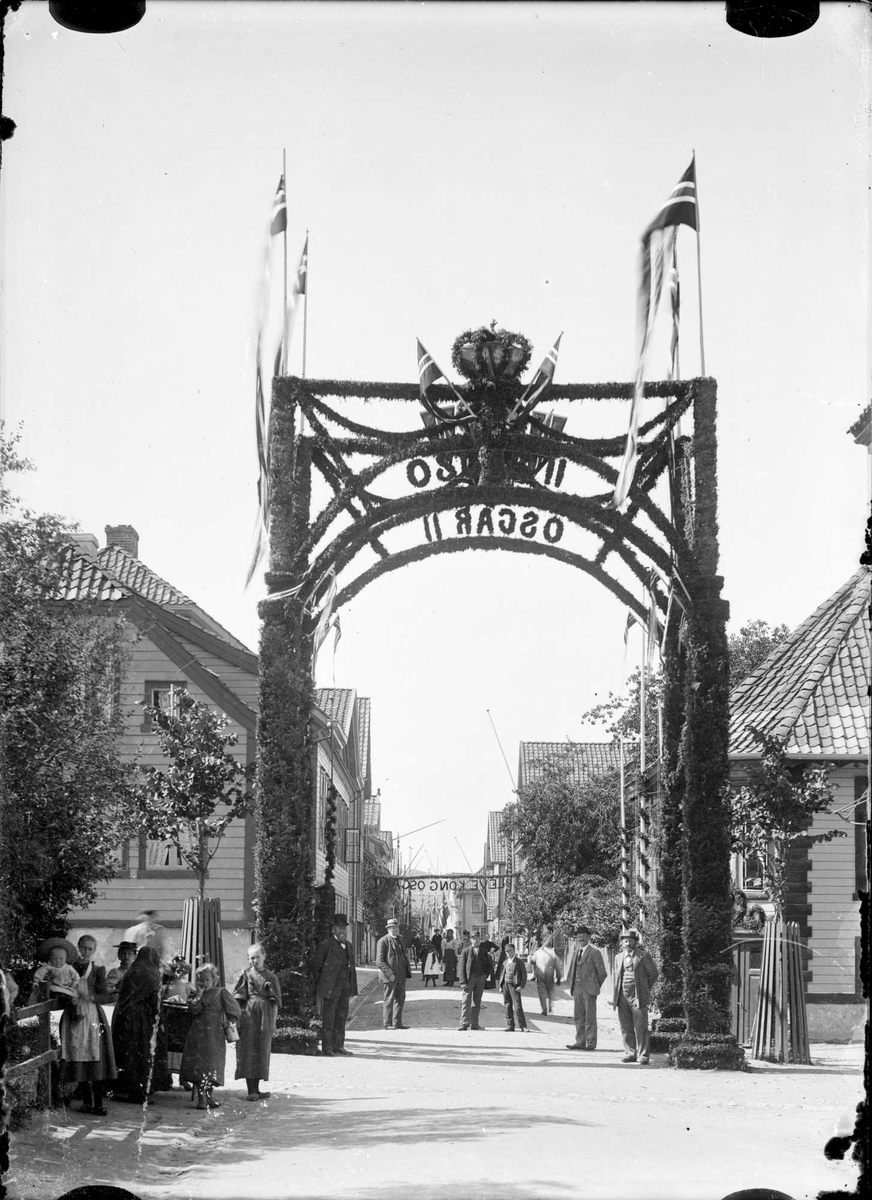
298 289
539 384
428 374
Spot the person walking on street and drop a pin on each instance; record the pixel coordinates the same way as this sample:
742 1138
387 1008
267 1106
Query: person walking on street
334 969
635 972
546 969
475 966
585 976
512 979
449 960
393 970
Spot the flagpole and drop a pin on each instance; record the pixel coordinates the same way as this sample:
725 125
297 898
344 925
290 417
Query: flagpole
306 306
284 356
642 874
699 273
625 871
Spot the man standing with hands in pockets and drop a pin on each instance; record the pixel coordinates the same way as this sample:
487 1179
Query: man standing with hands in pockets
393 967
635 973
475 966
585 977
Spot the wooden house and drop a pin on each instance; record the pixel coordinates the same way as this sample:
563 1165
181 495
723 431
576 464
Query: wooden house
812 693
176 645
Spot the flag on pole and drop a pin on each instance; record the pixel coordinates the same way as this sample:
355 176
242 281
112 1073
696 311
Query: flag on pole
298 290
325 613
337 634
653 635
538 385
428 374
656 250
268 358
675 303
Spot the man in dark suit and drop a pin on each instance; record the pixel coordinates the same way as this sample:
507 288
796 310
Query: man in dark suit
334 969
393 970
474 968
634 974
512 979
585 976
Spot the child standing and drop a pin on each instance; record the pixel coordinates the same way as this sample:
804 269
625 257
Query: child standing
432 968
258 992
206 1046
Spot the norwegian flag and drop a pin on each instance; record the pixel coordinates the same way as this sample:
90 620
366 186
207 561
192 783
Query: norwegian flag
428 374
657 249
268 361
298 290
538 385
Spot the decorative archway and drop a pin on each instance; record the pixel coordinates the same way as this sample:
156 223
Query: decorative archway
484 473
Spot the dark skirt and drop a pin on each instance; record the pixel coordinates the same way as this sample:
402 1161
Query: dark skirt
449 956
139 1038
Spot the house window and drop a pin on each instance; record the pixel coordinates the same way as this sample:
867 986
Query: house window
321 815
163 694
476 903
752 873
158 854
861 816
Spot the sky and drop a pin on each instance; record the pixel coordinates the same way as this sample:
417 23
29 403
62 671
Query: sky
454 164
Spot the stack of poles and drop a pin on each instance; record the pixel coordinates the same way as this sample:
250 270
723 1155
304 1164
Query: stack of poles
781 1028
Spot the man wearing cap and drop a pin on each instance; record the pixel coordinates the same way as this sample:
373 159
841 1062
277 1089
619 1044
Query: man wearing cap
333 967
635 973
393 970
474 968
584 978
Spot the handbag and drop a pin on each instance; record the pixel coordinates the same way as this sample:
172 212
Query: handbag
231 1033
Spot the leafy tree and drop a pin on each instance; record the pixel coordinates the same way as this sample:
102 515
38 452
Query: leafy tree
568 834
774 808
379 890
192 801
751 645
64 790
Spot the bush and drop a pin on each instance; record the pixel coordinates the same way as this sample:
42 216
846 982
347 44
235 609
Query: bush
707 1052
298 1033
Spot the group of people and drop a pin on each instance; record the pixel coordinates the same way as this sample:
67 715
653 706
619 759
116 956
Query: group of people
128 1059
633 975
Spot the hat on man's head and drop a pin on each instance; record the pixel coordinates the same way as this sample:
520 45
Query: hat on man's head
125 946
50 944
392 921
340 919
630 933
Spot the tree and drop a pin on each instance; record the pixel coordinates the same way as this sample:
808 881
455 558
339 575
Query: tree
193 800
379 889
774 809
568 833
64 792
748 648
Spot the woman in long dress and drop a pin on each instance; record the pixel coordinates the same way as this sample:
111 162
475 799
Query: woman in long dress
86 1045
259 995
205 1050
432 963
449 960
138 1031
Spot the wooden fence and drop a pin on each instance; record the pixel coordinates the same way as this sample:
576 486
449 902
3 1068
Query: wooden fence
45 1056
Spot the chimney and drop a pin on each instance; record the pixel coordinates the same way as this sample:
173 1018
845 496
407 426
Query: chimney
124 537
85 543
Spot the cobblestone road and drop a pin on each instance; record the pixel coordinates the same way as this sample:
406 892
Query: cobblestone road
431 1112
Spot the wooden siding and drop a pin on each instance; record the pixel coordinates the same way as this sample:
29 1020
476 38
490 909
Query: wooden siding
166 890
835 913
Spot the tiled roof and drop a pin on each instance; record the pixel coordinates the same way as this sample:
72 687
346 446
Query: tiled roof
336 704
83 579
811 691
498 846
861 430
585 759
138 577
364 705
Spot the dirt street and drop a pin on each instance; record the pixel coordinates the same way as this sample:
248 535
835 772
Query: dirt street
431 1112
